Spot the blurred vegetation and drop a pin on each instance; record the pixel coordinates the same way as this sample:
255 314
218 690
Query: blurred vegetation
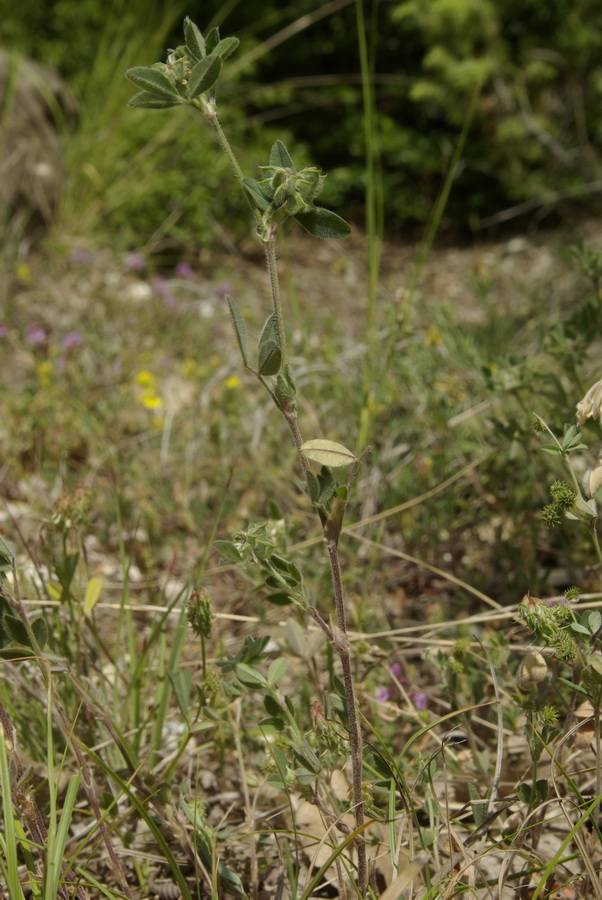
533 145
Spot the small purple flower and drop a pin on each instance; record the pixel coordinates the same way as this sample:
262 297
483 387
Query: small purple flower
35 335
162 287
79 256
72 339
420 700
134 262
395 670
183 270
222 288
3 331
381 695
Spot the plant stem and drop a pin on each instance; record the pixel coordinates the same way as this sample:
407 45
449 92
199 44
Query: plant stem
355 737
270 255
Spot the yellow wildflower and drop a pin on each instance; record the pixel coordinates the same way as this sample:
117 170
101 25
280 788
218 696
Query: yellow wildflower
233 382
146 379
45 373
150 400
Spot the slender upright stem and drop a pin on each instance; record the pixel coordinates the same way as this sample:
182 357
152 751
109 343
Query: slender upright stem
355 736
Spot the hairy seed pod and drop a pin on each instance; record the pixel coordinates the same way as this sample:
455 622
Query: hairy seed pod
532 670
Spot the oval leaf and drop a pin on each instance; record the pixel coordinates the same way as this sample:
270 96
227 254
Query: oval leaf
323 223
92 594
226 47
195 42
40 630
249 676
279 156
146 100
204 75
153 81
277 670
228 551
269 358
254 194
327 453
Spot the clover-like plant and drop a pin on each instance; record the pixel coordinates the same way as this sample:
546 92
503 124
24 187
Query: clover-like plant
189 77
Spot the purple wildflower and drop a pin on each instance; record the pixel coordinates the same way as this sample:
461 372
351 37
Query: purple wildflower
381 695
3 331
183 270
79 256
223 288
72 339
395 670
420 700
35 335
134 262
162 287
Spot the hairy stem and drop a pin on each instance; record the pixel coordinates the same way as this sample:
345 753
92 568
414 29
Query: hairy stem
355 736
272 265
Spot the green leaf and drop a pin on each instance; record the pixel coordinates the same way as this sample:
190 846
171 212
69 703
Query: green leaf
272 725
226 47
280 157
228 551
153 81
203 76
313 486
93 589
15 630
195 42
181 681
279 598
573 686
269 358
595 620
323 223
272 706
212 40
146 100
249 676
40 630
277 669
239 329
255 195
327 453
524 792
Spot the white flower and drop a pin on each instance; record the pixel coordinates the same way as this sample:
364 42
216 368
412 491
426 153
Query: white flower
591 405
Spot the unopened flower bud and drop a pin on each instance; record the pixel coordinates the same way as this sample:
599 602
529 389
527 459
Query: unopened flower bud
532 670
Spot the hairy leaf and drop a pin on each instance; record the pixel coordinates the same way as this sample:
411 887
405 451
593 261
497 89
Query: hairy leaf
153 81
239 328
323 223
327 453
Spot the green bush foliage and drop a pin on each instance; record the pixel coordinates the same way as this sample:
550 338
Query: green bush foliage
533 70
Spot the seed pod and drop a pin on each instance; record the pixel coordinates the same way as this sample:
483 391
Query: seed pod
585 733
532 670
592 480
